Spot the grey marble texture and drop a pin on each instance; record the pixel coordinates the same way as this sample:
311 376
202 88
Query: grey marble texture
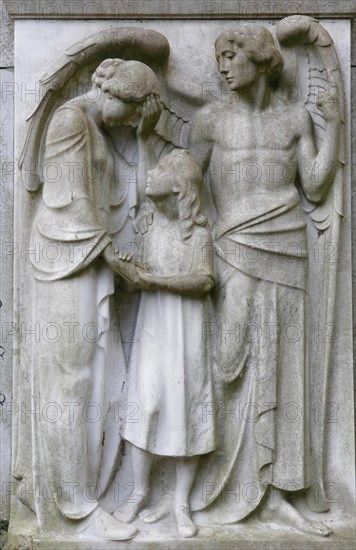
6 38
221 12
6 284
166 9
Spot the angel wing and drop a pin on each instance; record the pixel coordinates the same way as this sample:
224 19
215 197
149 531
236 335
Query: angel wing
312 65
180 98
79 61
70 76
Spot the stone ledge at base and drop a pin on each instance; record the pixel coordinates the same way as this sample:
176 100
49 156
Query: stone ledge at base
249 535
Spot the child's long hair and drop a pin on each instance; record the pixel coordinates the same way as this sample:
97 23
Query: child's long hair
188 184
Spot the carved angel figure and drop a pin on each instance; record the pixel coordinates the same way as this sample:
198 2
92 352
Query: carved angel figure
271 164
255 149
75 286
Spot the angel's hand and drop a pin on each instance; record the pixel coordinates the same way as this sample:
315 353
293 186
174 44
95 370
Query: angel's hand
327 103
151 111
144 219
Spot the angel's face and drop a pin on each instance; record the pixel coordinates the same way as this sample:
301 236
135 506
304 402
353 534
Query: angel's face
235 66
118 113
160 181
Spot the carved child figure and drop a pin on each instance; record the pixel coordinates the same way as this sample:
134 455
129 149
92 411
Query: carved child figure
169 377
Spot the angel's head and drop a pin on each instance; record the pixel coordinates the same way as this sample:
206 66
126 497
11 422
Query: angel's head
125 85
179 174
246 52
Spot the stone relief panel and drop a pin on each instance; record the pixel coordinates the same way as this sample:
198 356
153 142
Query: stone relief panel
182 200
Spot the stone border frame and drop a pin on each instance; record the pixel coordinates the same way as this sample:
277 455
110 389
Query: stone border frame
148 10
177 9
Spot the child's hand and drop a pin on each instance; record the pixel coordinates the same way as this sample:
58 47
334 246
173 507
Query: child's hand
125 256
121 263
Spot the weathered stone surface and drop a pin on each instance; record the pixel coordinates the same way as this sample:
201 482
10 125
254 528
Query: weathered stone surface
248 535
6 285
6 38
353 42
188 81
353 191
199 9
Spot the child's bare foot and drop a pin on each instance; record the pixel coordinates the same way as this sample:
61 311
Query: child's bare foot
127 511
159 511
186 528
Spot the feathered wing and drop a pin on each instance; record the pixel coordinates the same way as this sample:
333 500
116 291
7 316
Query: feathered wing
79 61
180 99
312 65
171 131
77 65
71 75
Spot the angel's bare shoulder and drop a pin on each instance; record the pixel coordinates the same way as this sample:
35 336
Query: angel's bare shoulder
296 117
206 115
297 112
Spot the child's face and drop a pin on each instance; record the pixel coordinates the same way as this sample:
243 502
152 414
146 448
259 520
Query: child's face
160 181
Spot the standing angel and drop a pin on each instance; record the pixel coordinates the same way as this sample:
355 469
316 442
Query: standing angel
75 215
256 148
74 289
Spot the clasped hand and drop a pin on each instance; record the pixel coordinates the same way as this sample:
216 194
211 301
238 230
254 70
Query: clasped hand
132 271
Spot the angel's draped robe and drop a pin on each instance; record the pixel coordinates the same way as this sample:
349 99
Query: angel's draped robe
260 404
72 291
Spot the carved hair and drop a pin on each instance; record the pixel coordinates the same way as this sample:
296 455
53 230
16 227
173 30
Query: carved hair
259 45
126 80
188 183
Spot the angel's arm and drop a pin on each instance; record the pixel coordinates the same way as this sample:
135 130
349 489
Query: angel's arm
200 138
184 87
317 169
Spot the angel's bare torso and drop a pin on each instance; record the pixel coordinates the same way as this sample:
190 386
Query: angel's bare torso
248 153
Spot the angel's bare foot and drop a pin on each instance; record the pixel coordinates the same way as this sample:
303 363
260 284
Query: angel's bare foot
159 511
186 528
25 495
278 509
101 524
317 505
127 511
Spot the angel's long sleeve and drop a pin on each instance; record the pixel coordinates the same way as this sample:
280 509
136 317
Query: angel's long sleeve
67 235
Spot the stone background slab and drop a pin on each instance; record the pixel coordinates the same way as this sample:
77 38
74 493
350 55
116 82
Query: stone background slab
133 9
